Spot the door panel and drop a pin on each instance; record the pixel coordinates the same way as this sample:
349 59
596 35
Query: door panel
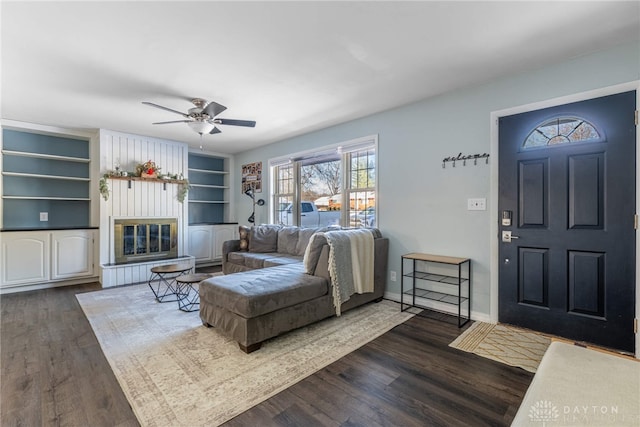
534 276
533 193
586 191
570 271
586 283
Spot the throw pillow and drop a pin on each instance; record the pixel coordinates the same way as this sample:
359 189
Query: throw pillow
304 234
287 240
244 238
264 238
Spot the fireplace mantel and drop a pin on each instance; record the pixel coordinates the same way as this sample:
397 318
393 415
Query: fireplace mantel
139 178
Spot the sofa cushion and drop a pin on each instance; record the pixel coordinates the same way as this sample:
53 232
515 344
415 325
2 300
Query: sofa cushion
304 234
288 240
263 238
282 260
254 293
256 259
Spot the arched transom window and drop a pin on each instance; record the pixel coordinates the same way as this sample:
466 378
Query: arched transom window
560 131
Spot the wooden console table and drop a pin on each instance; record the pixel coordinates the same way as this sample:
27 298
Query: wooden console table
431 279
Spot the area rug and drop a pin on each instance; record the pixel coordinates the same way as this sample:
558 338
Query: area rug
506 344
174 371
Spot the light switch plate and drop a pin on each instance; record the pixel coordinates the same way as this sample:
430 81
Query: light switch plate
44 216
477 204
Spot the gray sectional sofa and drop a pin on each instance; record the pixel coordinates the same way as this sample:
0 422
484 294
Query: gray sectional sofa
266 289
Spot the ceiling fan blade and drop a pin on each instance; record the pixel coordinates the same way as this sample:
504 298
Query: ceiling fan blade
164 108
213 109
172 121
233 122
214 131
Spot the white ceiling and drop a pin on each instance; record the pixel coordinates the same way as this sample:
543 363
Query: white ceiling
293 67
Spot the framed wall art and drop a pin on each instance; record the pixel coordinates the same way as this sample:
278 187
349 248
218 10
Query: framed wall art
252 177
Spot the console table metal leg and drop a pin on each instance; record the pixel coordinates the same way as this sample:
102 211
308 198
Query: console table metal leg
402 284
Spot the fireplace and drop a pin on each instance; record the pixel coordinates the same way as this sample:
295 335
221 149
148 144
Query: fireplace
145 239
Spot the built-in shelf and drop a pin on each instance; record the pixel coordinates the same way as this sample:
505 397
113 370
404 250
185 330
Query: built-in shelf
45 174
209 194
209 171
209 186
84 199
35 175
45 156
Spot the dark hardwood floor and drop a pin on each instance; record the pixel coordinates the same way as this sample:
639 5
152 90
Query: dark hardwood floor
53 373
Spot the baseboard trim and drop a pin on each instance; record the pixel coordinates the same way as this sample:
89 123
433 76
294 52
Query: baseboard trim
47 285
444 308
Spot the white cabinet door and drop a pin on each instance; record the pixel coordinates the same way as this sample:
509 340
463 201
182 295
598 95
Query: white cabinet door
25 257
222 233
72 253
201 242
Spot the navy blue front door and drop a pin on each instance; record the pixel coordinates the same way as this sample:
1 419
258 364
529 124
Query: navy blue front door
567 197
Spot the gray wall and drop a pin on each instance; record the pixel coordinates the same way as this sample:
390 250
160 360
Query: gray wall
423 207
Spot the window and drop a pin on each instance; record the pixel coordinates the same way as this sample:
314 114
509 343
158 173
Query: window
361 190
333 185
284 194
560 131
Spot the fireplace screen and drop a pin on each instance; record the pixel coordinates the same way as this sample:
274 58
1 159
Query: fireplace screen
145 239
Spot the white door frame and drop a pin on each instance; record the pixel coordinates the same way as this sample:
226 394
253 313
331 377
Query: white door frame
494 175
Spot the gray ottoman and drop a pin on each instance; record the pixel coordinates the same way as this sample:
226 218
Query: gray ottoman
260 304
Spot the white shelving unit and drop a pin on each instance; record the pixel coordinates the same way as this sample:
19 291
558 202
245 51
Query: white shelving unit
209 195
45 173
46 238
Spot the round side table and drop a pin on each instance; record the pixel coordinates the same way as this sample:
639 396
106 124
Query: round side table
164 276
188 292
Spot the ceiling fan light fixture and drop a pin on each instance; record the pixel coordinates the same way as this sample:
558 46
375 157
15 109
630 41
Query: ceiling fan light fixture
201 127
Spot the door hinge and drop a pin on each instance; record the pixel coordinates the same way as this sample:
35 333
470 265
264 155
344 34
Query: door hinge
635 222
636 117
635 326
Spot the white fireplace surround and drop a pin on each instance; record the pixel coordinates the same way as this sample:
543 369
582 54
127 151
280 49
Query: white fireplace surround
139 199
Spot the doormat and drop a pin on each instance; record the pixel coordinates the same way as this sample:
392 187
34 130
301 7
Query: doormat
506 344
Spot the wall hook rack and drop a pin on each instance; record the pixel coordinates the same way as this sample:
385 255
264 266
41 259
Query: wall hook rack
464 158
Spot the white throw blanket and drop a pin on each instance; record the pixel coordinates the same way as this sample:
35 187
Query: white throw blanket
351 255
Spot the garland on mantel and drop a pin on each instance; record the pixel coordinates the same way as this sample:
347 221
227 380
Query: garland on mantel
147 171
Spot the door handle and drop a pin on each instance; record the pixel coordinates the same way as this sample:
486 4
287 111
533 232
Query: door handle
507 236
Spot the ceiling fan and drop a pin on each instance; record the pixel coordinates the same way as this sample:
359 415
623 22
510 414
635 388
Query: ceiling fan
202 118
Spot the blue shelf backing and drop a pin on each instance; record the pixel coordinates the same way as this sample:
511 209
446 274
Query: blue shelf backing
203 170
57 183
11 163
205 162
62 213
14 140
42 187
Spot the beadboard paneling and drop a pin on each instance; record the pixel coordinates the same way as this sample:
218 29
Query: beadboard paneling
140 198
